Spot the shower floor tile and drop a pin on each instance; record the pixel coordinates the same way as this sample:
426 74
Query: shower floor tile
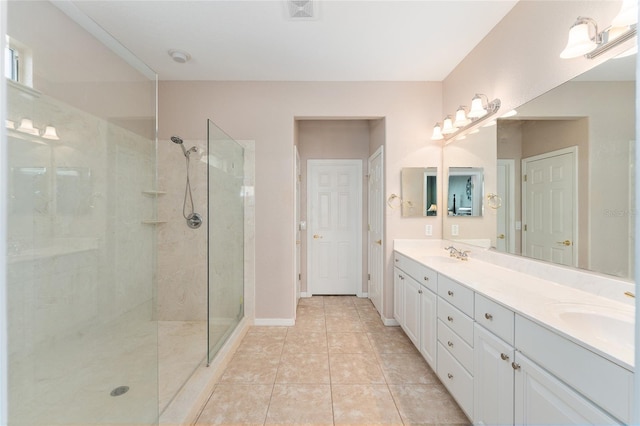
338 365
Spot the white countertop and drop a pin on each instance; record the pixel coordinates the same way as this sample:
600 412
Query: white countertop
550 304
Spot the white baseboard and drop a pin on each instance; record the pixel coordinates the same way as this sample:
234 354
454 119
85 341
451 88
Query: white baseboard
363 295
390 322
305 294
278 322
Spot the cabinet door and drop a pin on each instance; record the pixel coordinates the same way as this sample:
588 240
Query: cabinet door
398 295
428 326
541 398
412 292
493 380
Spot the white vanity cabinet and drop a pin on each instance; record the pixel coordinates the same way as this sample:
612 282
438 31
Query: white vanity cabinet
415 304
493 355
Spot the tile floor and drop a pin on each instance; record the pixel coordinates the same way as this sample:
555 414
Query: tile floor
338 365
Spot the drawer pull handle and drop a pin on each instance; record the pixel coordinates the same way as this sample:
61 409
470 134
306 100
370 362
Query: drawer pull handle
504 357
488 316
426 278
515 365
450 293
450 318
449 375
450 343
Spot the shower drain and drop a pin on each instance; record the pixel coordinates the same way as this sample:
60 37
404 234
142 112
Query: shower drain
120 390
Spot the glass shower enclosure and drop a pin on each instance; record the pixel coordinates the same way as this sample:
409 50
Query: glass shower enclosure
226 196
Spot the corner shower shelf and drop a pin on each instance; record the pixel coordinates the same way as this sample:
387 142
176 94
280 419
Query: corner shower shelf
154 222
154 192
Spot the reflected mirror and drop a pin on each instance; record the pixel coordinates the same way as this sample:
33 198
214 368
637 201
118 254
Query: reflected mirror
465 191
419 191
565 174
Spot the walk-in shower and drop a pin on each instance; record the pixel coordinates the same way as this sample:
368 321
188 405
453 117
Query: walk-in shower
194 220
104 326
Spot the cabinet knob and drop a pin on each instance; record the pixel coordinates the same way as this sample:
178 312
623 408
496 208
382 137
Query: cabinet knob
450 343
515 365
450 293
450 319
419 291
397 260
488 316
504 357
449 375
426 278
401 277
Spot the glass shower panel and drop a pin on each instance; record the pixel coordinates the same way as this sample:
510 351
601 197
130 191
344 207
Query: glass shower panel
225 236
82 339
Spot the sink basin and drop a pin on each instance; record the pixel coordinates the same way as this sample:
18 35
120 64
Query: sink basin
604 323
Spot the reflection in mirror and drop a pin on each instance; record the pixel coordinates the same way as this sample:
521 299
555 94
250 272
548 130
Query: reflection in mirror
419 193
573 150
465 191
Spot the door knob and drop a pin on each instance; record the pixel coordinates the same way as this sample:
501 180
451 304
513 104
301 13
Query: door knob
316 236
565 242
501 237
379 242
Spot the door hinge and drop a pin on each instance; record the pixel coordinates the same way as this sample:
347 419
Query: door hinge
299 277
369 277
525 178
525 228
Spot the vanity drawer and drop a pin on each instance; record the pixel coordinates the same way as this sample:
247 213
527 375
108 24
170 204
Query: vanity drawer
422 274
456 320
456 346
495 318
456 379
458 295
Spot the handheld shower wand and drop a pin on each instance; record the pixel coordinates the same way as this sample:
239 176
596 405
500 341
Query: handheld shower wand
194 220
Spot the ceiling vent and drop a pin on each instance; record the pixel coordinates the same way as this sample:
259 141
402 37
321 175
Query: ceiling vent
301 9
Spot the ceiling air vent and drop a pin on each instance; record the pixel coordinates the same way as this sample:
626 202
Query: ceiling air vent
301 9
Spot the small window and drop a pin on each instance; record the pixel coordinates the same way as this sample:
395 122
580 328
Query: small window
11 63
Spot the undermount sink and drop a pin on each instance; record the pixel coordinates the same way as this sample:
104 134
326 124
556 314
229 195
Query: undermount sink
607 324
443 259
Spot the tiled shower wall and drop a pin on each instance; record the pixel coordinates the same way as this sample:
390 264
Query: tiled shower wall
182 251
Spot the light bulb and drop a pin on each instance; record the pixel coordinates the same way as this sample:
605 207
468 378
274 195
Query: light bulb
461 118
437 133
447 126
477 109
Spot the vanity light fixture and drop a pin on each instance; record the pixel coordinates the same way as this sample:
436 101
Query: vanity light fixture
461 118
477 108
585 39
10 124
447 126
50 133
465 122
26 126
437 133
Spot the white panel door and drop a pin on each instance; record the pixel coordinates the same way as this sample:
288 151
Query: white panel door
428 326
411 307
398 295
375 211
298 179
334 233
549 211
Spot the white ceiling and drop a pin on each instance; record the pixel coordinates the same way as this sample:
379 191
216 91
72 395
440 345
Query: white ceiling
383 40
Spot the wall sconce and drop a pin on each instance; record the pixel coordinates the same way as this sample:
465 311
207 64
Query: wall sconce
481 109
585 40
26 126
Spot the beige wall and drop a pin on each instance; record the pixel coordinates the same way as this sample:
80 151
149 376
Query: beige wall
266 112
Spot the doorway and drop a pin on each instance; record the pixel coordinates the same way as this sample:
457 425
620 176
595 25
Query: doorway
549 206
339 139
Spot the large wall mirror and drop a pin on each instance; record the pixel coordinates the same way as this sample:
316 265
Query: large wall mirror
565 173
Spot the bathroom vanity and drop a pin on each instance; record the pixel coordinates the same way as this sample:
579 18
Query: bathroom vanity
511 345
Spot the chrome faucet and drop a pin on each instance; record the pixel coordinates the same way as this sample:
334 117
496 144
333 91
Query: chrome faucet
454 252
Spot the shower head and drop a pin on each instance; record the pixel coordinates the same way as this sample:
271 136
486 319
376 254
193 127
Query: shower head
178 140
